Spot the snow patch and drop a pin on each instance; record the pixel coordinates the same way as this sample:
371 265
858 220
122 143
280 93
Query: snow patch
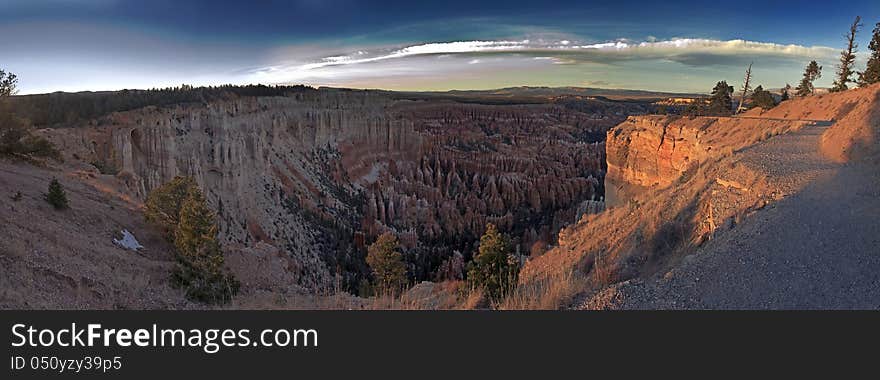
128 241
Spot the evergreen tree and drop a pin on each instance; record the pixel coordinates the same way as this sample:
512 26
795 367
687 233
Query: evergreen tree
180 209
200 267
847 58
871 74
196 233
720 101
493 268
386 262
164 203
763 98
56 196
785 93
812 72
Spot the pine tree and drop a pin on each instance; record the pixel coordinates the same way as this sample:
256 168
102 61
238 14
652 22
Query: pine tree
493 268
847 58
785 93
163 204
763 98
386 263
812 72
56 196
200 267
871 74
180 209
196 233
720 101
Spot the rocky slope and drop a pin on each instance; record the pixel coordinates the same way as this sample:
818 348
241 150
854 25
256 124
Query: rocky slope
699 178
67 259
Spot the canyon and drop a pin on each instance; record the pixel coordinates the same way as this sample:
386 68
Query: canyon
599 197
302 183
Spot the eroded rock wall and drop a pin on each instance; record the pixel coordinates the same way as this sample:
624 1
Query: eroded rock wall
269 166
648 151
318 175
655 150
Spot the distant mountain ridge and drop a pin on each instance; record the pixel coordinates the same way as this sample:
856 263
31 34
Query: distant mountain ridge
529 95
52 109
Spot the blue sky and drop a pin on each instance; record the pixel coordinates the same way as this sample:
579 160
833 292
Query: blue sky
74 45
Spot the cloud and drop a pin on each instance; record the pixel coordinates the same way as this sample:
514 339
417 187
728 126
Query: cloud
702 52
693 52
362 57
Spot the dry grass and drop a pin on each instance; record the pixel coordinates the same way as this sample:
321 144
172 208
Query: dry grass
550 293
602 273
446 295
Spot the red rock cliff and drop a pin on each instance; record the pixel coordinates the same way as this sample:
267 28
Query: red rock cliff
654 150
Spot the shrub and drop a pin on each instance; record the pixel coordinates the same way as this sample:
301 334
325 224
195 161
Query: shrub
56 196
493 268
386 262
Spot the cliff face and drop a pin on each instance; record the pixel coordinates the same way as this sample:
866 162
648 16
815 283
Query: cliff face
267 165
655 150
648 151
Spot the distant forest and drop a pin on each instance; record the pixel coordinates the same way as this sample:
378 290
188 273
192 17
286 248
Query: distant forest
47 110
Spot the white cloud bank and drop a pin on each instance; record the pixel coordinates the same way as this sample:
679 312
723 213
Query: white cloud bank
339 68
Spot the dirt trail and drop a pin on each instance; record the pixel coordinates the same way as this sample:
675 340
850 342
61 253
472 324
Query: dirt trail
818 248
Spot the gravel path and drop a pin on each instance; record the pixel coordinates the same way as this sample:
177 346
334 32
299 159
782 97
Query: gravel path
816 249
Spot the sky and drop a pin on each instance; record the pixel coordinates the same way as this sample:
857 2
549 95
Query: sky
679 46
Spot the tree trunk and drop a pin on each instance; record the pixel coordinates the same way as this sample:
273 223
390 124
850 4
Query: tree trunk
745 89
